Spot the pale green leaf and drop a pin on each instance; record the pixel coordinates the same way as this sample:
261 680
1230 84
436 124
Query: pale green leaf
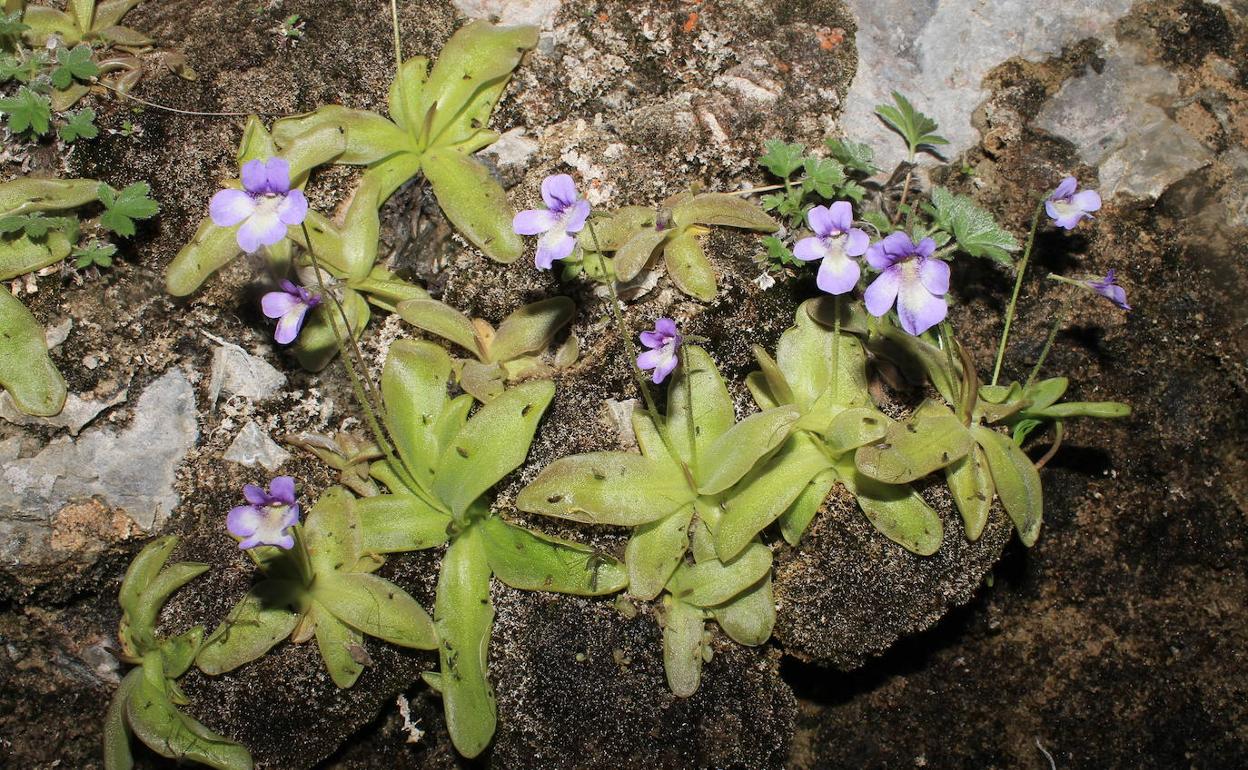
493 443
929 439
689 268
713 582
766 493
531 328
170 733
336 641
26 370
636 252
606 488
682 647
465 619
413 388
723 209
265 616
531 561
376 607
398 523
654 551
896 510
742 447
698 405
971 486
1017 481
474 202
794 521
750 616
211 249
368 136
403 98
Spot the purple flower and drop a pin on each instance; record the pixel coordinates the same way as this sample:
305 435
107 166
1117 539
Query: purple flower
1110 290
1067 207
266 205
269 518
911 277
290 304
835 241
663 343
565 213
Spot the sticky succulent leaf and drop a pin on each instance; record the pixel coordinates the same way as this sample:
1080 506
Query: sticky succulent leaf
713 582
855 427
760 391
395 171
143 570
646 429
360 230
399 523
611 232
117 754
317 344
443 320
45 22
177 653
920 360
531 561
474 202
606 488
403 98
654 551
854 318
117 35
314 148
750 616
369 136
725 210
636 252
682 647
794 521
1105 410
766 493
777 385
376 607
970 483
261 619
333 532
492 444
465 620
929 439
170 733
711 413
896 510
743 446
484 382
476 57
82 12
1000 394
142 622
689 268
384 289
531 328
109 12
211 249
1017 482
26 370
804 355
256 143
28 194
413 387
335 641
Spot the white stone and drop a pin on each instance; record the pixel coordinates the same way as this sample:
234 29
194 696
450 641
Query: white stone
252 447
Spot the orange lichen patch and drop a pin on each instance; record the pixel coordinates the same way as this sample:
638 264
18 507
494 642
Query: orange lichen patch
603 17
830 38
90 524
783 66
690 23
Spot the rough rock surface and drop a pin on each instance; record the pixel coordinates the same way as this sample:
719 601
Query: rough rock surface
847 593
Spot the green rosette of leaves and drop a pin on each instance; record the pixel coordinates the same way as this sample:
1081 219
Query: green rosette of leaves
147 701
444 462
437 122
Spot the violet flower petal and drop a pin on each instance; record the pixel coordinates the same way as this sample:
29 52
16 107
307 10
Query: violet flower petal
261 229
292 321
293 208
229 207
810 248
558 191
255 495
934 275
532 222
283 488
821 221
255 177
243 521
1087 200
882 292
667 327
277 176
551 248
918 309
275 304
1065 188
841 216
576 215
838 274
857 242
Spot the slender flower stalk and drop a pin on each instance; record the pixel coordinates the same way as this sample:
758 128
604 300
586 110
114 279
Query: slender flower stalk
1018 285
